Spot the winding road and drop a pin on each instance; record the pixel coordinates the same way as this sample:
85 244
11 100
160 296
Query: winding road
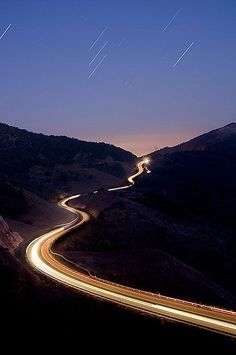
40 255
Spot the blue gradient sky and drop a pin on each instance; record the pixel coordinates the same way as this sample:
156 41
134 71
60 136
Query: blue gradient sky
136 99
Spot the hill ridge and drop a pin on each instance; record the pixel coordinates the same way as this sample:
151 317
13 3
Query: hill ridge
202 141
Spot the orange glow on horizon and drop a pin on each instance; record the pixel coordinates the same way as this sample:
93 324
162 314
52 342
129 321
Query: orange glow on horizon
143 144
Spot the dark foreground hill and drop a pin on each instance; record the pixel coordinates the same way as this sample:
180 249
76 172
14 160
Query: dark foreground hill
49 165
197 178
33 304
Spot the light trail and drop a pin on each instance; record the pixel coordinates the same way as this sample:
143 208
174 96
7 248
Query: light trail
40 256
132 177
3 34
100 35
121 42
98 53
183 54
172 19
97 66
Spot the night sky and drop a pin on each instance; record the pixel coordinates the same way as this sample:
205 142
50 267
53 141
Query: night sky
136 98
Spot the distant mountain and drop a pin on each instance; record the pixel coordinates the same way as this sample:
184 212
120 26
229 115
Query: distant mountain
197 177
48 165
203 141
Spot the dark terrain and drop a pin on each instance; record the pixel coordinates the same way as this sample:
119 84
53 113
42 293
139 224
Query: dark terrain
49 165
37 170
173 232
37 309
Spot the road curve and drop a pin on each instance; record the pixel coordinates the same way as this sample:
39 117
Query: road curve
40 255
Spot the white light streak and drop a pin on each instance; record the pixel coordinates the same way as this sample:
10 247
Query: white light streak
97 66
3 34
183 54
104 30
98 53
172 19
121 42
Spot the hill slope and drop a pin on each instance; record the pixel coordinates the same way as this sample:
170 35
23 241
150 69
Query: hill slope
47 165
198 176
201 142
